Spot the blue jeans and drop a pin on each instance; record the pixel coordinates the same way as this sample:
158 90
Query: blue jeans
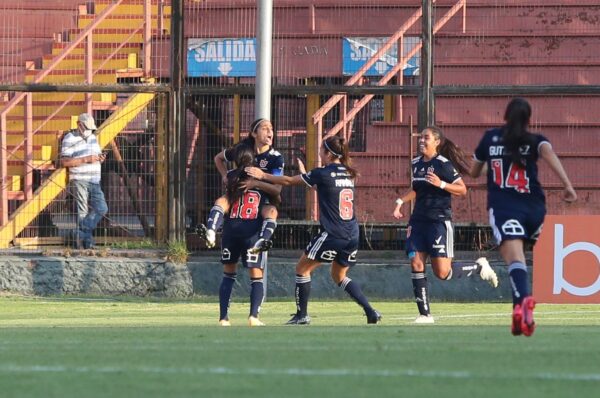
91 207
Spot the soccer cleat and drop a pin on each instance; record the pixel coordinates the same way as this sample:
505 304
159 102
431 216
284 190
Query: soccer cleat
527 323
487 273
424 319
261 245
374 317
224 322
299 320
516 320
208 235
254 321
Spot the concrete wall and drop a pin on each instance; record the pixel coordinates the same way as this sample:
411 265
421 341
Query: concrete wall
381 276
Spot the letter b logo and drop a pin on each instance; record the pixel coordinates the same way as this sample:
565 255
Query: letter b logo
567 260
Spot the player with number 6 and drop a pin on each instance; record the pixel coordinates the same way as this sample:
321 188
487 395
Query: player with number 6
337 241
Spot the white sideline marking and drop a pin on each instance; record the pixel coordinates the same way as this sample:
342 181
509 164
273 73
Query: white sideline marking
538 313
7 368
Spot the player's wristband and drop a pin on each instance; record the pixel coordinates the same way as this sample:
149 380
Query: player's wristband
399 202
443 185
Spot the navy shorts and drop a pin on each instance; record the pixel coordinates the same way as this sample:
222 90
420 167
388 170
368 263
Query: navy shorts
326 249
516 223
435 238
233 247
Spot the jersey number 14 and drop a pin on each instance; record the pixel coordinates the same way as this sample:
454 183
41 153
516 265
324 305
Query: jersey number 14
516 177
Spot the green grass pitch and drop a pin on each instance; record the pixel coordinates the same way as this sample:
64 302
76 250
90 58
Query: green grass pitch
104 348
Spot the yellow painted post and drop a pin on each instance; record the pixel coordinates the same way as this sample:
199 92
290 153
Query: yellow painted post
161 227
312 105
388 108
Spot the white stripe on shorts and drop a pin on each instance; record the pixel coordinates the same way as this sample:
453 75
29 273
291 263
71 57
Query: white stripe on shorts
315 249
449 239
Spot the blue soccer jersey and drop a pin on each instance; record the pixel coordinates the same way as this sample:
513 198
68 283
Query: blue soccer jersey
270 161
432 203
509 183
335 189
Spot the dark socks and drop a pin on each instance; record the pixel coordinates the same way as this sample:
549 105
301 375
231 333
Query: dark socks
517 272
215 218
302 294
225 294
459 270
354 291
419 281
268 228
257 294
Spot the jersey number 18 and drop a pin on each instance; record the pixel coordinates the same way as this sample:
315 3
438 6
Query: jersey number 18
247 206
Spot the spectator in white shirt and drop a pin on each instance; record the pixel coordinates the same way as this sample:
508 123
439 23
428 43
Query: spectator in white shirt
81 154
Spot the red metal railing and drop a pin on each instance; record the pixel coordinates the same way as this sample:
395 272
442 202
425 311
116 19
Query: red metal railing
89 72
396 39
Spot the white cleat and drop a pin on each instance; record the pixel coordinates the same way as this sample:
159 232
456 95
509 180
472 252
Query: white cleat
424 320
253 321
224 322
211 238
487 273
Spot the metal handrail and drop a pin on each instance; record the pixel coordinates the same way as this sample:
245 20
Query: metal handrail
392 72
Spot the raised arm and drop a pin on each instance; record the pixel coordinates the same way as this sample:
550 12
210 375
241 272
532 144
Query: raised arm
221 165
548 154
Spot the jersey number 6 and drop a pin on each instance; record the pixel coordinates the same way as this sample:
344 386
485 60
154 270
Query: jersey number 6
346 204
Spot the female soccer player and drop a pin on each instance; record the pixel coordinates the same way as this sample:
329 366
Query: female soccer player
430 232
338 240
240 232
516 202
266 158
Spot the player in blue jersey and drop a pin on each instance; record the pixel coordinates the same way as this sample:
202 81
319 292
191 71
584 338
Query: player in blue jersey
430 232
516 202
241 229
337 242
267 159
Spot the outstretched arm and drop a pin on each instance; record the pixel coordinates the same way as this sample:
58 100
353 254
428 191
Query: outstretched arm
279 180
548 154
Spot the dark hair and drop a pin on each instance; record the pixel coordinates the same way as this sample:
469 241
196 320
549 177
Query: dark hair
450 150
338 148
515 134
243 157
253 128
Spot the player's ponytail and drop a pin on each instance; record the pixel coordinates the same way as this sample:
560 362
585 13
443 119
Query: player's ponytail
338 148
243 157
448 149
515 134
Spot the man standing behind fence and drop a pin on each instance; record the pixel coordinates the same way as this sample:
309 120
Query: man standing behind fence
81 154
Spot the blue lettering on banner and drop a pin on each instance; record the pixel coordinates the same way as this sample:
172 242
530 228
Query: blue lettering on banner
356 51
222 57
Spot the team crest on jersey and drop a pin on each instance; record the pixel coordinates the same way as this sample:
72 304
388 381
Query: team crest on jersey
431 169
263 163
